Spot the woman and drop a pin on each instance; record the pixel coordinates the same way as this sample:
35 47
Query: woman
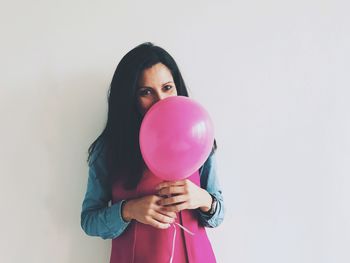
144 207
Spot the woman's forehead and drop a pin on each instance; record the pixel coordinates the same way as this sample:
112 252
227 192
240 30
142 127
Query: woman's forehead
157 75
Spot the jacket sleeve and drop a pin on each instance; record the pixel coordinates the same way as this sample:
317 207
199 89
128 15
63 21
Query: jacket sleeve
210 182
97 217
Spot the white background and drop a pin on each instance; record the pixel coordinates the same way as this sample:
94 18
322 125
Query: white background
274 76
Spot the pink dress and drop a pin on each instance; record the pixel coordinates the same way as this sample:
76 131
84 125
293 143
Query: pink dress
141 243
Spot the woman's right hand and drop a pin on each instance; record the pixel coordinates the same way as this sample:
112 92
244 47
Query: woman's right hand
147 211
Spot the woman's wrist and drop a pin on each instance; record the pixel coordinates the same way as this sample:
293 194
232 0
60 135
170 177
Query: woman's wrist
207 201
126 211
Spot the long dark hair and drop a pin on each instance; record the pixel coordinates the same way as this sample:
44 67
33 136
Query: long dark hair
121 134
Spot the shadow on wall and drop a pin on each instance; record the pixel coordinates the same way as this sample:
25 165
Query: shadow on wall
74 113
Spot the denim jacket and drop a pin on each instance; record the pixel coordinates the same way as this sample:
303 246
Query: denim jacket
99 218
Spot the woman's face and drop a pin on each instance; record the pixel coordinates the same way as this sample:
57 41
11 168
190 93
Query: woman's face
155 83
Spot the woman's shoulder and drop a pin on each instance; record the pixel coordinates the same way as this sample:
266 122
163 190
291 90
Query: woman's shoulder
98 150
209 161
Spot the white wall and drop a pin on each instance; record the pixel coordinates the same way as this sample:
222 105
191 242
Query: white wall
273 74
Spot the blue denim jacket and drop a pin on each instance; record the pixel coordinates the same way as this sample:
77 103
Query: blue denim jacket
100 218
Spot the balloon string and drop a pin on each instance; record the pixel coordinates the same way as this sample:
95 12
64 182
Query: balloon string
173 246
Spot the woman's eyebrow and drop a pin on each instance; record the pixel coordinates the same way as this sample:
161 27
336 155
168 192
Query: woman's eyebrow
143 87
167 82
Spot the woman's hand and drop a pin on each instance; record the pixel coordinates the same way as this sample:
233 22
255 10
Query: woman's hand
147 211
186 195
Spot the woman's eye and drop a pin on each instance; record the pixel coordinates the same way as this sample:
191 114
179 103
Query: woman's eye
168 87
144 92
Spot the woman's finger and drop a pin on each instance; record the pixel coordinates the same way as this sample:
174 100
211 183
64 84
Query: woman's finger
175 208
170 183
173 200
171 214
162 218
172 190
157 224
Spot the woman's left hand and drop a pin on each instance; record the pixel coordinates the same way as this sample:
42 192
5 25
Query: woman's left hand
183 194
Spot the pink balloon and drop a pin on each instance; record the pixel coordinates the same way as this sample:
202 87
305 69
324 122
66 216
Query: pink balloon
176 137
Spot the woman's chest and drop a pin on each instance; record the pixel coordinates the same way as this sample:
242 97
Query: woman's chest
146 186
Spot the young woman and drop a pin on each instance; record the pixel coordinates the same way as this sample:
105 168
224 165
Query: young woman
145 211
